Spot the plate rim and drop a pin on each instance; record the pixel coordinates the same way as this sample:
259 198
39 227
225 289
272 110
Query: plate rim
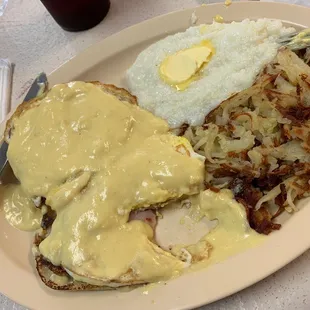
89 51
58 74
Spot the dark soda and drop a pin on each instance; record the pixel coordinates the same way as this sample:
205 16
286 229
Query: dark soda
77 15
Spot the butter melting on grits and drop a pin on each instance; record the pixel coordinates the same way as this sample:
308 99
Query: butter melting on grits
95 159
182 68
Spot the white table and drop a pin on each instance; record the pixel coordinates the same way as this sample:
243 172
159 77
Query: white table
31 39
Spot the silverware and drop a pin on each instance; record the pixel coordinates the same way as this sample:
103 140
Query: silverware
296 40
38 87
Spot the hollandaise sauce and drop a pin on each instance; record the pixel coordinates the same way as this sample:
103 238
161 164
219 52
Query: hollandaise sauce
19 209
232 234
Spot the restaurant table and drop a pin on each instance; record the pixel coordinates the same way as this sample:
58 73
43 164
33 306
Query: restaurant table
31 39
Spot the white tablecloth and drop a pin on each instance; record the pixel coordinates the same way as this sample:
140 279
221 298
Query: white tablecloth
31 39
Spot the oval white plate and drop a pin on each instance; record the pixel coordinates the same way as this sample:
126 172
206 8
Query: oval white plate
107 61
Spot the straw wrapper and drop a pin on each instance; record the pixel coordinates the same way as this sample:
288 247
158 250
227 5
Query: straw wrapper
5 87
3 4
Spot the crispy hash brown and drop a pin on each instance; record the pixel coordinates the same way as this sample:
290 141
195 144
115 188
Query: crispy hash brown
257 142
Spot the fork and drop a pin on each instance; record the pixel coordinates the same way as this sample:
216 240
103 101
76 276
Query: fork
297 40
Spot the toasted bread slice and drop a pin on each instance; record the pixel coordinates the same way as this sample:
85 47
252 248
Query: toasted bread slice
49 274
120 93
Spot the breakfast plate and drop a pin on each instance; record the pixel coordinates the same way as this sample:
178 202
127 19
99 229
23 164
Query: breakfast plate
107 61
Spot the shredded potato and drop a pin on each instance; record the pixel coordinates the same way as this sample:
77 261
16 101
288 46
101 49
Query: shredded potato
257 142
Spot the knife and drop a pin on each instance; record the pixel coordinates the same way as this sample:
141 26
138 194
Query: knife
38 87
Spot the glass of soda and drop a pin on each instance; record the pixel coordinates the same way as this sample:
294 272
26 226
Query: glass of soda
77 15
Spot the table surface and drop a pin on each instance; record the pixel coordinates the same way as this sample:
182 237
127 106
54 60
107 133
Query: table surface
34 42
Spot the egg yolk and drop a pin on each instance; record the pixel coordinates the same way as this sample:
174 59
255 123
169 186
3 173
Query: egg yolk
183 67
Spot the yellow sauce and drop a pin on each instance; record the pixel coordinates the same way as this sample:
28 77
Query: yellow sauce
219 19
20 210
228 3
233 233
182 68
95 159
198 252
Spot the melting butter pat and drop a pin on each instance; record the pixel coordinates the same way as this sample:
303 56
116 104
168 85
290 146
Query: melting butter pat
181 68
228 2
